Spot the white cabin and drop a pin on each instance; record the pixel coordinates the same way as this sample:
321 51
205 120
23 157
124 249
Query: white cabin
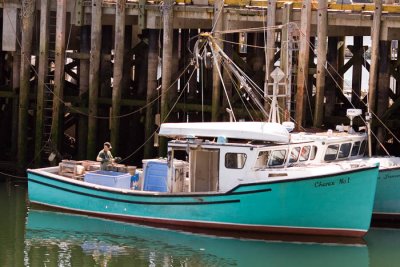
220 156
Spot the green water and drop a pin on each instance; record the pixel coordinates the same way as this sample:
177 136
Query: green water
30 237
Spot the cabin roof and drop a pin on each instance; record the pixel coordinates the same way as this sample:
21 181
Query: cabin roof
327 137
261 131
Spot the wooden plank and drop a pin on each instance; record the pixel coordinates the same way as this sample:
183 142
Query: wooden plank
322 22
79 13
94 79
142 15
42 74
304 53
118 72
10 17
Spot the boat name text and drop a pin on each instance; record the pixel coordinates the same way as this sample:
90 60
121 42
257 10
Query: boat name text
332 183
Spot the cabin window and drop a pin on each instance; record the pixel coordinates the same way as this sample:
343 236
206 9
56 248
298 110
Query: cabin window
355 149
313 153
277 158
344 150
362 148
331 152
305 153
294 154
235 160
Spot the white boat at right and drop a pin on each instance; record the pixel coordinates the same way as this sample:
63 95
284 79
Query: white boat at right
342 145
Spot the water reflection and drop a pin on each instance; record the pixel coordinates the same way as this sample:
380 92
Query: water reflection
12 223
57 238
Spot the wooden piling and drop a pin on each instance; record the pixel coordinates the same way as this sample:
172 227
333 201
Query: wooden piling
118 71
42 74
322 27
218 25
373 72
270 51
166 77
172 92
341 56
151 91
383 89
304 53
84 67
16 68
28 19
330 91
94 79
59 77
357 72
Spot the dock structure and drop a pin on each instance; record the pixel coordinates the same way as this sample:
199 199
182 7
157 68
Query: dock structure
75 74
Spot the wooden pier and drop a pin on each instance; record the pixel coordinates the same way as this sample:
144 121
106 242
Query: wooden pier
74 74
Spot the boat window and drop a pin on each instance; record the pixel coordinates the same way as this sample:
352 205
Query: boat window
313 153
294 154
355 149
331 152
235 160
277 158
305 153
344 150
362 148
262 159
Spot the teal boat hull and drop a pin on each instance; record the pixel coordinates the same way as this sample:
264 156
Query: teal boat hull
387 198
338 204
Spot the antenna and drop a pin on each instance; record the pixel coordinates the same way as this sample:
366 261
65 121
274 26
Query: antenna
277 75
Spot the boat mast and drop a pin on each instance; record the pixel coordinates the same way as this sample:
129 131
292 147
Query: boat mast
231 66
277 75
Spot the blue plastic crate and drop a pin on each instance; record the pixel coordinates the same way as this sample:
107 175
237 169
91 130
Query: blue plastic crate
109 178
155 177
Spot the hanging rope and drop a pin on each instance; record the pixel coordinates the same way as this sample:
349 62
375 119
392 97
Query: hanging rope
27 8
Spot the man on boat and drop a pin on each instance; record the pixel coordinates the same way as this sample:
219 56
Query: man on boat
105 156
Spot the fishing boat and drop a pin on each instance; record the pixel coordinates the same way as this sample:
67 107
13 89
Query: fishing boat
228 175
